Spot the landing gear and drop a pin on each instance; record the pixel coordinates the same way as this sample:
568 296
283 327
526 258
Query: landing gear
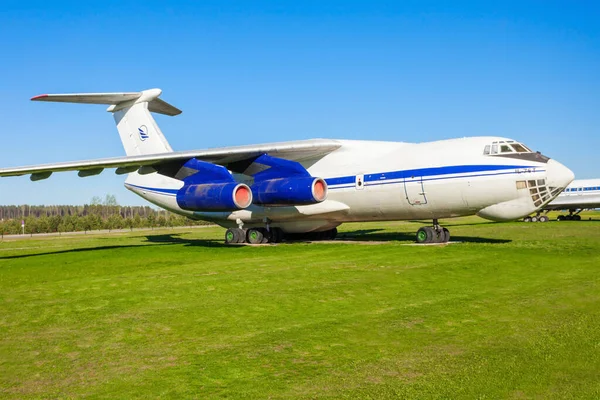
433 234
537 218
253 235
235 235
256 236
273 235
573 216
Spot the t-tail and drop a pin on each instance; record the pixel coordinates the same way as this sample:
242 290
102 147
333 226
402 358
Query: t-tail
132 112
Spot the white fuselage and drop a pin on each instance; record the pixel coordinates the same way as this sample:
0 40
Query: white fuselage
376 181
580 194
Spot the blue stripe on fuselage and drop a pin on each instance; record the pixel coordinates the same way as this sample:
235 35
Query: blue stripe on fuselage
424 172
380 178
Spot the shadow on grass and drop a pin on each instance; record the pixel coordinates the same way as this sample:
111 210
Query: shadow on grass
154 240
376 235
173 238
363 235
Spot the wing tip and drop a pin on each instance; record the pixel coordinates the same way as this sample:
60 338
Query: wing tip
38 97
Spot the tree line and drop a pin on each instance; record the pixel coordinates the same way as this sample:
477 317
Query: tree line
99 214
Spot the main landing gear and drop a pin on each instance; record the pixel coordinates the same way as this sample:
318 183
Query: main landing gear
573 216
273 235
433 234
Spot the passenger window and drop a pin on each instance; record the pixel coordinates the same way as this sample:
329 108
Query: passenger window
486 150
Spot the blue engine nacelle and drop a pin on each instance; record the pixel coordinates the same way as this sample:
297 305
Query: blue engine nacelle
289 191
226 196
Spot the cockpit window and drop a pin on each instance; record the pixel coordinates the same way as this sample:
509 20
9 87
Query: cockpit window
519 148
503 147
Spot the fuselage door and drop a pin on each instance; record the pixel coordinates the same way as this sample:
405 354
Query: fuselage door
360 182
415 191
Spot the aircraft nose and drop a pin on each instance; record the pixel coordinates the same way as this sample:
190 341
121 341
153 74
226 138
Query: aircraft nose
557 175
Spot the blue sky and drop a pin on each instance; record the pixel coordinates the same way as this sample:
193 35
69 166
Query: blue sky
252 72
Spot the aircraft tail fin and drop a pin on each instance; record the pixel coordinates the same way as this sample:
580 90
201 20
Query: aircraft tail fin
137 128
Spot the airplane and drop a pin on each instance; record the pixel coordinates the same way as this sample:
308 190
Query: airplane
581 194
277 191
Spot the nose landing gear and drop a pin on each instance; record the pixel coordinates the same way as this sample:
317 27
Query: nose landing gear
537 218
433 234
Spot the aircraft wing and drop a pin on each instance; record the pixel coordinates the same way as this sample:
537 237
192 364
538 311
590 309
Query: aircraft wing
234 158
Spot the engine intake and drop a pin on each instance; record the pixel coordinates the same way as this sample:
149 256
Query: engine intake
227 196
289 191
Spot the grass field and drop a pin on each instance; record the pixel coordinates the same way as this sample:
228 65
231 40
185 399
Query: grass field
512 311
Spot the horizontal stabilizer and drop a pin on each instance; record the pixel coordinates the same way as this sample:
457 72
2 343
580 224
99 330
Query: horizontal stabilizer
117 101
89 98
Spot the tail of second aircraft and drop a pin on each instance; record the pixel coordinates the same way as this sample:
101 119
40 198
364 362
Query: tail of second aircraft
138 130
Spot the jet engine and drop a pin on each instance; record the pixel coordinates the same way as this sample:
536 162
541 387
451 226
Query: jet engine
225 196
289 191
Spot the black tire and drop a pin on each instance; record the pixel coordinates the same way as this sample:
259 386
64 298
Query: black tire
534 219
576 217
543 218
266 235
425 234
231 236
568 217
560 217
240 235
527 219
446 235
276 235
254 236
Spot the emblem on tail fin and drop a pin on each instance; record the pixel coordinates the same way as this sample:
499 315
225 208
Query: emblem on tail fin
143 131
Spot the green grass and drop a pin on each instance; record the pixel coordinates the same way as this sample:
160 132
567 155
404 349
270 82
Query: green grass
513 311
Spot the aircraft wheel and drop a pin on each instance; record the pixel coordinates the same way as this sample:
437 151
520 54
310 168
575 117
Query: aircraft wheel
576 217
254 236
543 218
241 235
446 235
276 235
534 219
527 219
230 236
235 235
267 235
560 217
568 217
425 234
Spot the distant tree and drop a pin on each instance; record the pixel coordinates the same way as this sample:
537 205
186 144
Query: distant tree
151 221
128 223
110 200
114 222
